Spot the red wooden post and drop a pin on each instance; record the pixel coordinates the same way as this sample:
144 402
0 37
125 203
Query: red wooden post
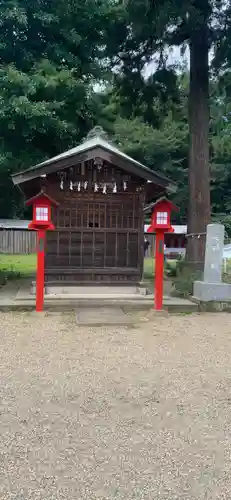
42 204
40 270
159 270
160 224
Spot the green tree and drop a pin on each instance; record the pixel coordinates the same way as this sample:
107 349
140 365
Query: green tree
220 130
67 33
164 149
50 55
151 27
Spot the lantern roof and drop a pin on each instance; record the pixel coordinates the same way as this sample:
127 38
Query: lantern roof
41 196
162 200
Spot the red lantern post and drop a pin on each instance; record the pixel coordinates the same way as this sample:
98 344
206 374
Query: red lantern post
41 223
160 225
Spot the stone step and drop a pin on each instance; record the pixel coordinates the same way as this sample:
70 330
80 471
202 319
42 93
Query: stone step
69 303
103 316
16 296
21 295
91 290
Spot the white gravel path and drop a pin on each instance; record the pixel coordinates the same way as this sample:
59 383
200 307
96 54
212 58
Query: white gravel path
137 413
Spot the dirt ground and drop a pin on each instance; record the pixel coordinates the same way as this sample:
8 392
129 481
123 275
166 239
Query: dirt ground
115 413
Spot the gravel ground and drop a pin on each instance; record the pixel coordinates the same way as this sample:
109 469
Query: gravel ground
137 413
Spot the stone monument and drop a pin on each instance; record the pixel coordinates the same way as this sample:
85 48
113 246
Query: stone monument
212 288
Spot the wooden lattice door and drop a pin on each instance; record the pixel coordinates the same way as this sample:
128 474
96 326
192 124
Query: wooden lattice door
93 235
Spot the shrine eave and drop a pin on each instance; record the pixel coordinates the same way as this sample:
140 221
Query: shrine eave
90 149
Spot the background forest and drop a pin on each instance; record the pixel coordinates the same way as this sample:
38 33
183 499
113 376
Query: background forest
66 66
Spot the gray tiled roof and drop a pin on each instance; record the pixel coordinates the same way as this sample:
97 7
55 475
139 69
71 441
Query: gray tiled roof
14 224
85 146
94 140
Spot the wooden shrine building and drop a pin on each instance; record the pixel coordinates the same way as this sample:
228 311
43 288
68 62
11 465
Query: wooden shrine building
99 222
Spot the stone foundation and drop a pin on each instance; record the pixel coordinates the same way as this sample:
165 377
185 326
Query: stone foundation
211 292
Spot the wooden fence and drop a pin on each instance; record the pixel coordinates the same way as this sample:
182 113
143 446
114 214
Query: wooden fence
151 238
17 241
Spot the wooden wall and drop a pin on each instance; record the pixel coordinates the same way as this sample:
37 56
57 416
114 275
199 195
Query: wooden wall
98 237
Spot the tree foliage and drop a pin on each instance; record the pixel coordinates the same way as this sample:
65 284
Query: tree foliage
151 28
52 55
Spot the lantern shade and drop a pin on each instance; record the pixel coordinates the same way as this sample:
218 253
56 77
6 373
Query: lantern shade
161 216
42 204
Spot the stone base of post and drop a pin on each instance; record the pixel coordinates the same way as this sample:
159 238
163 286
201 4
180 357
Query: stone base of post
207 292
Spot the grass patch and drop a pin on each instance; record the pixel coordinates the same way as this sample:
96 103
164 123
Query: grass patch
149 268
16 266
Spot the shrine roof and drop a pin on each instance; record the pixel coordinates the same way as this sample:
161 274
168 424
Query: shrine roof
94 145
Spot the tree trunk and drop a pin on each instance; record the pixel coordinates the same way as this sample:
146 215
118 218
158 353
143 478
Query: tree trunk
199 172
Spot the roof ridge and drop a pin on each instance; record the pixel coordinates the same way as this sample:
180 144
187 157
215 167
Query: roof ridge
100 133
96 131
